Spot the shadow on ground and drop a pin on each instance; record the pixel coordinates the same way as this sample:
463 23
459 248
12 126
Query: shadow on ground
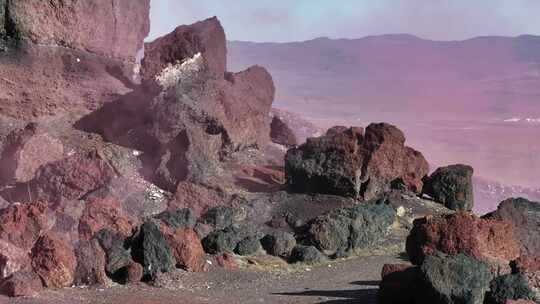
367 295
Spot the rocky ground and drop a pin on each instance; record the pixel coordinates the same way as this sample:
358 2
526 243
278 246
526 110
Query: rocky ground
173 180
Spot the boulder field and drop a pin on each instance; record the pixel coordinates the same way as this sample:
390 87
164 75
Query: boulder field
118 166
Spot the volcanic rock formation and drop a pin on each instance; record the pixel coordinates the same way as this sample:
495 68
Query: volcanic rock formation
350 163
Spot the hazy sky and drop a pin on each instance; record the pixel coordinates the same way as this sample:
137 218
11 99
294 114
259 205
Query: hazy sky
293 20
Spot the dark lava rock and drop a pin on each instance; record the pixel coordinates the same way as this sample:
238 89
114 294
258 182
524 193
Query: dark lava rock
509 287
279 243
281 133
488 240
248 246
399 284
227 239
91 261
347 229
453 279
306 254
219 217
182 218
118 26
525 216
451 186
151 249
117 256
348 162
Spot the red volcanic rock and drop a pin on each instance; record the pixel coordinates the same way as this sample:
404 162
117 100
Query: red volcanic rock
527 264
525 216
103 213
226 260
118 27
134 273
71 178
21 284
91 262
22 224
206 37
486 240
27 150
281 133
54 261
183 140
398 284
519 302
187 249
12 259
349 163
195 197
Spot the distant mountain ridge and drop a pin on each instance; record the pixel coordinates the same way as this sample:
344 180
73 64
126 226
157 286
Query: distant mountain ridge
487 76
457 101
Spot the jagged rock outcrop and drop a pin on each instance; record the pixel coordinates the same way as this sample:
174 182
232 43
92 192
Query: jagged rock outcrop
451 186
77 55
114 28
350 163
525 216
492 241
189 113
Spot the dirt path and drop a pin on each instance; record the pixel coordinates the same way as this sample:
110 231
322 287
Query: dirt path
348 281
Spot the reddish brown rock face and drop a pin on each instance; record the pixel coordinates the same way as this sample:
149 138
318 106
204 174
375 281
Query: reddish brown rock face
22 224
486 240
54 261
118 27
71 178
187 249
206 37
12 259
134 273
350 163
103 213
21 284
195 197
24 154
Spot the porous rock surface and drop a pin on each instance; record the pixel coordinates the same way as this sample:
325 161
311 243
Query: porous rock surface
114 28
525 216
452 186
491 241
350 163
